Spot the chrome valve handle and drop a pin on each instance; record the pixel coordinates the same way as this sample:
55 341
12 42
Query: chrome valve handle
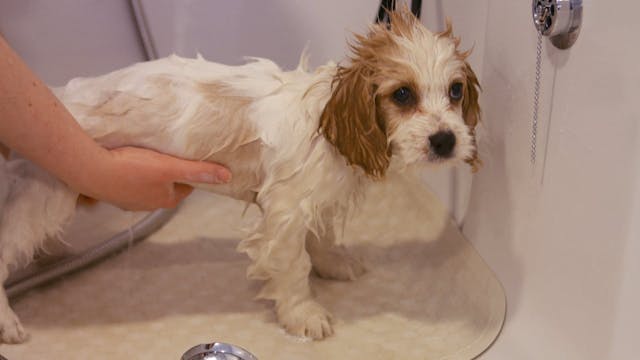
560 20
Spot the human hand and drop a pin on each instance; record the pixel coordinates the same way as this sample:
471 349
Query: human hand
141 179
36 125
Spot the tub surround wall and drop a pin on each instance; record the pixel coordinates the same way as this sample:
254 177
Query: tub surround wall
563 236
63 39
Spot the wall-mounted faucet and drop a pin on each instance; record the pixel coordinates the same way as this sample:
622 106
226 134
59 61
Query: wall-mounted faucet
560 20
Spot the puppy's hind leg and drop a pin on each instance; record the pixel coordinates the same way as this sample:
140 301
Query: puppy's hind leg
11 330
36 207
330 260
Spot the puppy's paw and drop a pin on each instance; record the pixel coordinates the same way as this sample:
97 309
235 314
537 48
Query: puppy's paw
338 264
306 319
11 330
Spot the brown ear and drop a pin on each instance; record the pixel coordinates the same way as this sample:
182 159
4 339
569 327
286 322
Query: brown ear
471 113
351 122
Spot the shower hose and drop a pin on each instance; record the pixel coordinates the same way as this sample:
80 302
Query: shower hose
117 243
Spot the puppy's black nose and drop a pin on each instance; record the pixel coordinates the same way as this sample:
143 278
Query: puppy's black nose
442 143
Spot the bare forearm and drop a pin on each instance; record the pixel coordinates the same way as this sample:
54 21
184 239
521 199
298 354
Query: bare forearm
35 124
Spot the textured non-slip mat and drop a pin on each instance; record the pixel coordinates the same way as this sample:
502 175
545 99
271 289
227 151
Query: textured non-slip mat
427 294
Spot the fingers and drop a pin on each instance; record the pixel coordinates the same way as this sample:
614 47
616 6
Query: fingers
203 172
196 171
144 179
181 191
177 169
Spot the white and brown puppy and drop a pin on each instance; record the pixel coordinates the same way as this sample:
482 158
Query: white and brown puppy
300 144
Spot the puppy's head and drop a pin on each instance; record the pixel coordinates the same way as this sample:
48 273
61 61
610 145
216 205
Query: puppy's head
408 95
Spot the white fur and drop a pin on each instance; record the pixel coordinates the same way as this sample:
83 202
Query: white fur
262 123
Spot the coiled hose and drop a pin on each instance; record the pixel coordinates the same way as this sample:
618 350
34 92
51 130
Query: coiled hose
121 241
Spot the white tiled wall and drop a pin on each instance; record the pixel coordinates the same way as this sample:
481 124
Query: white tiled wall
563 237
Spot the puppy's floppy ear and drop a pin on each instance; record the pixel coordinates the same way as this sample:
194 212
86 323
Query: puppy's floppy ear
351 122
470 106
471 112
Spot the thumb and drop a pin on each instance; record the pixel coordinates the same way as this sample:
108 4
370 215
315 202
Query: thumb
199 172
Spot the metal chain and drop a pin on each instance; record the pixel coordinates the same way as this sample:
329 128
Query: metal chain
536 100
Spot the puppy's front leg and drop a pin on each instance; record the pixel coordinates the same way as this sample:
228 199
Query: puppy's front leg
330 260
280 258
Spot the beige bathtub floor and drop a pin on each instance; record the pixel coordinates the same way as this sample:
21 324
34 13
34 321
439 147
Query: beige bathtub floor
427 294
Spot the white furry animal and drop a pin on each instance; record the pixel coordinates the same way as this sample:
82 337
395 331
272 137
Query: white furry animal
299 144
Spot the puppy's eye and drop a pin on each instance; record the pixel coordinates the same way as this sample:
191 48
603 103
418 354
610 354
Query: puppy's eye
455 91
403 96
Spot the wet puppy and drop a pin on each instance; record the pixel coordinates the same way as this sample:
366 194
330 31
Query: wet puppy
302 145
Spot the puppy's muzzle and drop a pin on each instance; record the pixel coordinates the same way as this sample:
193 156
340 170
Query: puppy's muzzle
442 143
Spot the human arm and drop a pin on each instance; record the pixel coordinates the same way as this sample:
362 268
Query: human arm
35 124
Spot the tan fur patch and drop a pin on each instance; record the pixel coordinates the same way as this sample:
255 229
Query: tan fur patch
471 113
351 123
222 107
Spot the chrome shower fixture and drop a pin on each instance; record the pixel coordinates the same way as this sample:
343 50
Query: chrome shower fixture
217 351
560 20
